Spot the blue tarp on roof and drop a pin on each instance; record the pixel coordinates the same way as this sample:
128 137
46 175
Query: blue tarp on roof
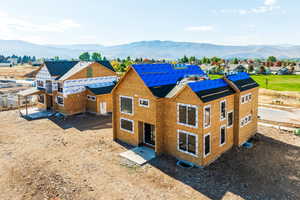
207 84
238 76
165 74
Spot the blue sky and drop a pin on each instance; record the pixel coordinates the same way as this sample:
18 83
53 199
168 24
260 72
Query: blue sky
112 22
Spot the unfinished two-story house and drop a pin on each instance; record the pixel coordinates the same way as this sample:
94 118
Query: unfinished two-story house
177 110
72 87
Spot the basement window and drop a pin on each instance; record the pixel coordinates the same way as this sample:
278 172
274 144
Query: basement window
126 125
187 142
207 145
230 119
144 103
187 115
223 110
222 135
126 105
60 100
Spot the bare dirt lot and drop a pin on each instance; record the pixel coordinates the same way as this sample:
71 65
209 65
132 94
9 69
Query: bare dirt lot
18 72
77 159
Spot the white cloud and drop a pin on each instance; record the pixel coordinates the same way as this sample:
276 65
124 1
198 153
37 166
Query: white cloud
270 2
268 6
200 28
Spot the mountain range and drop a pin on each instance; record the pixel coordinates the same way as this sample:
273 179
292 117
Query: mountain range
149 49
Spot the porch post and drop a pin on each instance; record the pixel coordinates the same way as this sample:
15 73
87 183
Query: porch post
26 105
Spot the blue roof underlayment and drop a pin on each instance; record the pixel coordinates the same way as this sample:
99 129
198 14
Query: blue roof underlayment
165 74
238 76
207 84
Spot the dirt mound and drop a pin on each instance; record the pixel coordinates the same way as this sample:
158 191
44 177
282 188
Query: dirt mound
35 181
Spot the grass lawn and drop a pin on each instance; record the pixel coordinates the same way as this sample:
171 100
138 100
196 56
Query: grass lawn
275 82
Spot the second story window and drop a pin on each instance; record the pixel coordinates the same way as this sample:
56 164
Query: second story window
60 87
229 119
223 110
207 116
40 83
144 103
126 105
187 115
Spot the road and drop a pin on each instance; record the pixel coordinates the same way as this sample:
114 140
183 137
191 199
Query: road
277 115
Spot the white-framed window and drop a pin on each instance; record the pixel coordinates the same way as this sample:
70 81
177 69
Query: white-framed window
91 98
41 98
243 99
187 142
144 103
60 100
206 145
126 105
187 115
246 98
230 119
223 110
127 125
246 120
60 87
40 83
222 135
207 116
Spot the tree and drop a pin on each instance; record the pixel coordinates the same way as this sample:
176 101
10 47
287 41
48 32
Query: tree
235 61
85 56
96 56
272 59
184 59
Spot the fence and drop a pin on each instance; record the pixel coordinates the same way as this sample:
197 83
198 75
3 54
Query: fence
10 101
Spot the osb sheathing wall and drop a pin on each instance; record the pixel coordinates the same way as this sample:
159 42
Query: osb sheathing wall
96 69
134 87
171 127
94 106
77 103
73 104
242 110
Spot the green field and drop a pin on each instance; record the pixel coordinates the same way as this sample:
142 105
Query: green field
275 82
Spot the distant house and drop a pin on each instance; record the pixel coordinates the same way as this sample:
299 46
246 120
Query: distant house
8 64
72 87
297 68
175 110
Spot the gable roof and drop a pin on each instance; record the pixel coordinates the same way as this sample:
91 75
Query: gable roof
208 90
106 64
59 68
243 81
162 78
76 68
101 90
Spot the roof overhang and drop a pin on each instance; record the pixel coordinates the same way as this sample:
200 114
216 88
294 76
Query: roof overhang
30 92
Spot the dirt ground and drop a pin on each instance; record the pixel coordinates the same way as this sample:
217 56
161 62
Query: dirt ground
280 97
76 159
18 72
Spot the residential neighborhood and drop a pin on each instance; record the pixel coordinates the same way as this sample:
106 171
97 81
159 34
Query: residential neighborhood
155 100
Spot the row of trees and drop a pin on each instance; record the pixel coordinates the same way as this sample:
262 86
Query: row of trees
19 59
86 56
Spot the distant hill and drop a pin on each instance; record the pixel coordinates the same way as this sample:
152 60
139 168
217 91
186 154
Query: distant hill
150 49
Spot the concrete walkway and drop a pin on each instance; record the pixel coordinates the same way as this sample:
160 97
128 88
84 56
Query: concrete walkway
278 115
139 155
35 113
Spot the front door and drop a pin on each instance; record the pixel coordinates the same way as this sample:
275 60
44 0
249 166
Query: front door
149 134
103 108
